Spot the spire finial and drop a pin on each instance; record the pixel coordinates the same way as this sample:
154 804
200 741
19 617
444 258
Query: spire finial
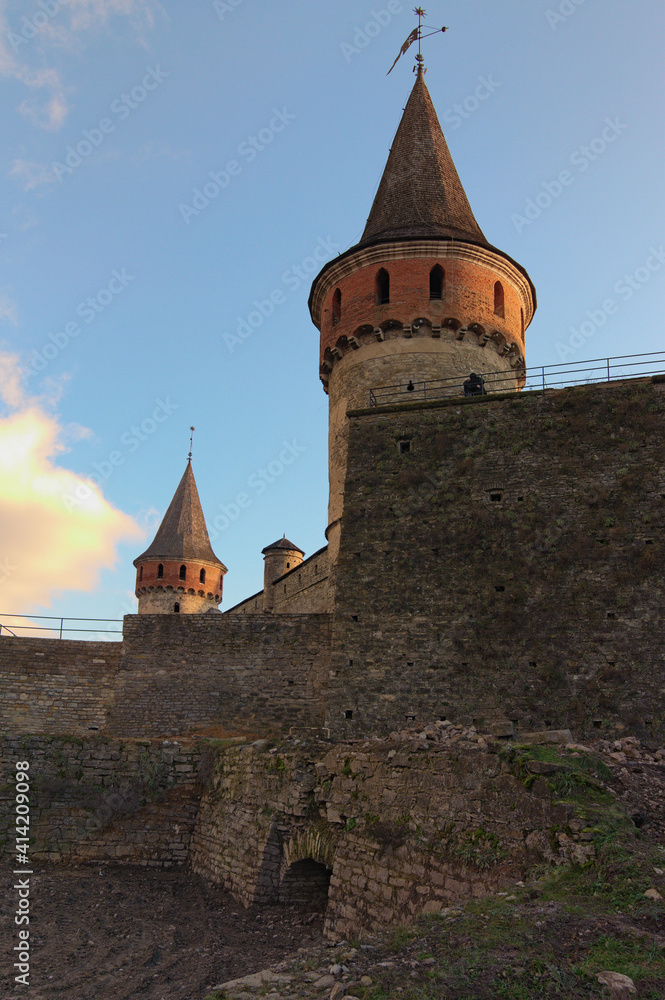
417 36
420 14
191 441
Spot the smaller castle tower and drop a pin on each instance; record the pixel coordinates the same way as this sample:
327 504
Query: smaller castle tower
279 558
179 573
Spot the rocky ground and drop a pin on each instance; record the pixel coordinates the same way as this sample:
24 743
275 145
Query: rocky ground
592 930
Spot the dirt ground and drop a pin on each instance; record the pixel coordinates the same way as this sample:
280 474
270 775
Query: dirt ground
112 932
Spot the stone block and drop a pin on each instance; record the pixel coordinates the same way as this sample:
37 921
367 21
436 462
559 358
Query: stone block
558 736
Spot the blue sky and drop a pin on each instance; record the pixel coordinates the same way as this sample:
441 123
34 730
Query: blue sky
122 291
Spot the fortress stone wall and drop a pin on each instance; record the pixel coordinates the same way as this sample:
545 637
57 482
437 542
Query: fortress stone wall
56 685
510 565
185 672
507 568
170 675
303 590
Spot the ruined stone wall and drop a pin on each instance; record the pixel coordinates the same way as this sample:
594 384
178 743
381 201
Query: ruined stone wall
93 798
510 565
401 828
56 685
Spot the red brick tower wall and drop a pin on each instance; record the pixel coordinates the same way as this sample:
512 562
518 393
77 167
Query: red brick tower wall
159 594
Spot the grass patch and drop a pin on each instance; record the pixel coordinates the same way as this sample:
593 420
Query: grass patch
615 882
545 940
637 958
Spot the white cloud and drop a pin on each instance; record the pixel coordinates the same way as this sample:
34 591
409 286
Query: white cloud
86 14
32 175
46 104
48 114
46 548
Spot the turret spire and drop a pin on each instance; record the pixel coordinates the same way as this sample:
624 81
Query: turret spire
420 195
179 572
183 533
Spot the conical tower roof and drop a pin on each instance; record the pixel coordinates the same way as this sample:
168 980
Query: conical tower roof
420 195
182 533
282 543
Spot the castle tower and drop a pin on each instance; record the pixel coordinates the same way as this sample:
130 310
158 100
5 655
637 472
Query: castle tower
423 296
179 572
279 558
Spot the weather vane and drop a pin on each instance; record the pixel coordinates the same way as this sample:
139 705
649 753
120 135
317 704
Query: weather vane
416 35
191 440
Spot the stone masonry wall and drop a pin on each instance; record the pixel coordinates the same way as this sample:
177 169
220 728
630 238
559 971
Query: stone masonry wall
185 672
305 589
170 675
402 827
56 685
510 565
93 798
250 606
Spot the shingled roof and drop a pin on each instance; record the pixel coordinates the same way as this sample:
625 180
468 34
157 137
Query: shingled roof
183 533
282 543
420 195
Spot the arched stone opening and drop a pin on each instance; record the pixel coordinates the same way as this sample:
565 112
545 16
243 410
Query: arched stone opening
306 883
305 870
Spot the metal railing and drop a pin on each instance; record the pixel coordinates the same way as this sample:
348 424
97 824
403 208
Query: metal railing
16 629
538 379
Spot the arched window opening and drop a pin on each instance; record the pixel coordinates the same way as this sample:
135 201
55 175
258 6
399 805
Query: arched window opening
499 307
306 883
160 571
436 280
382 287
202 576
221 580
183 572
140 573
337 307
176 609
522 322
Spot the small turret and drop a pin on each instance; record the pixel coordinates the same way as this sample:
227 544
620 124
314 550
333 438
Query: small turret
179 573
280 557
